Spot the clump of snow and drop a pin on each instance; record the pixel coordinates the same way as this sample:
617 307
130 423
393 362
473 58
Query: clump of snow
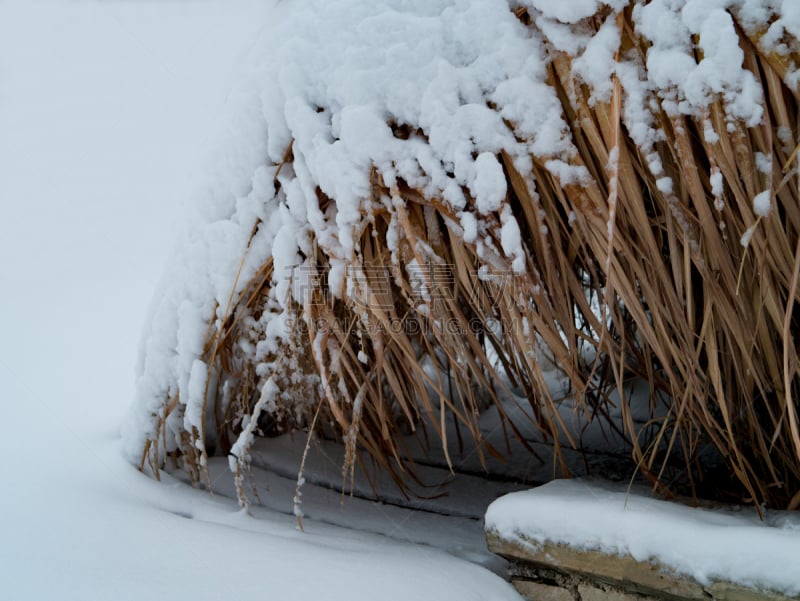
716 182
780 36
709 133
762 203
597 63
664 185
469 225
705 544
784 134
687 86
747 236
511 240
570 12
764 163
489 186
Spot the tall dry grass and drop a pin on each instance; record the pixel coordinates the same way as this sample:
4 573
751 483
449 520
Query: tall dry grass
658 285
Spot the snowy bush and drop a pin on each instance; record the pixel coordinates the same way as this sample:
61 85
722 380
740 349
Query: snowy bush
410 198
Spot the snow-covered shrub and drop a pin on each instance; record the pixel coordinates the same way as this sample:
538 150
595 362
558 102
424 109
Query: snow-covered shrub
412 196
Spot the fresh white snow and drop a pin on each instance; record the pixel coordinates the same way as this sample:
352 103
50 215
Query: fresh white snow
707 545
106 112
762 203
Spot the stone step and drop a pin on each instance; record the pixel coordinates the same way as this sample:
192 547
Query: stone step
554 572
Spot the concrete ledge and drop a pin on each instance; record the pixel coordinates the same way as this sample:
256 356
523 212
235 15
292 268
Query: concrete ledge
550 572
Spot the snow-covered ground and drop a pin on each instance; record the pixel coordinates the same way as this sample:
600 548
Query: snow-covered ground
106 111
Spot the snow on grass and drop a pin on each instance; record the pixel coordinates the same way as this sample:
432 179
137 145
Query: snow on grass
762 203
330 82
704 544
105 109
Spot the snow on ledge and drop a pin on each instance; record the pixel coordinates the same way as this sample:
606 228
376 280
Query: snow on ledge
729 545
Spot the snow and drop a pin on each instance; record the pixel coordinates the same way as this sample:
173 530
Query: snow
764 163
717 186
747 236
596 65
762 203
569 12
511 240
705 544
105 109
489 186
685 85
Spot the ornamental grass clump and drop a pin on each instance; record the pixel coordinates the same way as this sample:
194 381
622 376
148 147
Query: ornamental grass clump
412 204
